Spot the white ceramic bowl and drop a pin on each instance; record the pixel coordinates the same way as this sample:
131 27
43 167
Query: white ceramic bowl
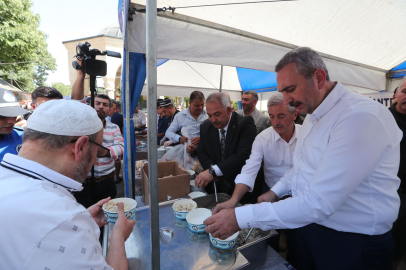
181 215
195 219
224 244
192 174
111 217
193 187
196 194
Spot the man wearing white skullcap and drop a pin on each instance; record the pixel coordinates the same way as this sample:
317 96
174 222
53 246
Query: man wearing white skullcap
44 226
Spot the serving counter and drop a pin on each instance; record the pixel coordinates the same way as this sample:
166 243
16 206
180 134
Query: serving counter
182 249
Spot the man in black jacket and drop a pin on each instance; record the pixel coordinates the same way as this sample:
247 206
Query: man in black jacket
225 144
398 109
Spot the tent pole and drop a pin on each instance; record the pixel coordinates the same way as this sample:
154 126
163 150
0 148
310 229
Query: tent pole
128 165
151 12
221 78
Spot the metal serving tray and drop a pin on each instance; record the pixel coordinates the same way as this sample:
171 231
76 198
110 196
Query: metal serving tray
255 252
185 251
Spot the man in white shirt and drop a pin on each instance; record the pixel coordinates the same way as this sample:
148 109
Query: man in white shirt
274 146
46 228
139 119
249 100
344 179
192 118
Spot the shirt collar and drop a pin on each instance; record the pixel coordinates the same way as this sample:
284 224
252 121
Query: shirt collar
278 137
39 171
226 127
328 103
187 112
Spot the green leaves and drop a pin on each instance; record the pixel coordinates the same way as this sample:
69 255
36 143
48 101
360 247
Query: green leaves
20 42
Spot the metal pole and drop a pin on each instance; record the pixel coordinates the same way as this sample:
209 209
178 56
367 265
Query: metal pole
151 12
128 165
221 78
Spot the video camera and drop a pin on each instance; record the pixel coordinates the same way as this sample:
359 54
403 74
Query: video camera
90 65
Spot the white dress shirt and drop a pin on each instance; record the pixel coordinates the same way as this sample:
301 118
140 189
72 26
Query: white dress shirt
185 119
44 227
276 153
139 118
345 171
215 167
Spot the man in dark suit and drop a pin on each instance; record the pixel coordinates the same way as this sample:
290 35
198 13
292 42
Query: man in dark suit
225 144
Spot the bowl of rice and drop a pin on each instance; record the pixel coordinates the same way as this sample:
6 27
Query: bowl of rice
111 209
182 207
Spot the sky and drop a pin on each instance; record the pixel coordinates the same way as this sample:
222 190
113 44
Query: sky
68 20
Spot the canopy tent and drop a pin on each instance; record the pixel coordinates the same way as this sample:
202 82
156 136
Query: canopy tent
354 38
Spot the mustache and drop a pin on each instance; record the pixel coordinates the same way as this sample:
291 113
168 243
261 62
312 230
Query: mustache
216 123
279 126
294 104
404 102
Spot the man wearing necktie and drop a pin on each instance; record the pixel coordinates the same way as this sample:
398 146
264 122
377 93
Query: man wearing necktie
225 144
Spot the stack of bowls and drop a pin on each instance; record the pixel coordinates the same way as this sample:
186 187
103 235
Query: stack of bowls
226 243
181 215
195 219
193 187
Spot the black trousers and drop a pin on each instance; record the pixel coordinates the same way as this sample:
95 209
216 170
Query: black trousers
96 191
321 248
399 231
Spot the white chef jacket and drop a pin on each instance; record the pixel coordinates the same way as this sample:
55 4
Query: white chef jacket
43 226
345 171
276 153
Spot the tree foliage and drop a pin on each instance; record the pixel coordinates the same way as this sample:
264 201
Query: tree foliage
63 88
22 42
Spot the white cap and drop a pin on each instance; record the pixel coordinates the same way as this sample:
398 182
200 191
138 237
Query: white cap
66 118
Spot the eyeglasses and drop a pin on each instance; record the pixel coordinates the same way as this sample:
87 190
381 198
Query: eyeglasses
101 150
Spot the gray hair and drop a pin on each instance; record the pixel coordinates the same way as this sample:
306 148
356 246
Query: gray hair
276 99
220 97
403 79
51 141
250 92
307 62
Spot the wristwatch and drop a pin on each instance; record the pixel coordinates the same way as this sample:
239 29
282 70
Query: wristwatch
212 172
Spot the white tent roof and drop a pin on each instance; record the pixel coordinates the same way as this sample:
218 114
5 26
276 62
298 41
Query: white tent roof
357 39
364 31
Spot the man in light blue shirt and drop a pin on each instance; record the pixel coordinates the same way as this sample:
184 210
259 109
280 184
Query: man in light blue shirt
192 118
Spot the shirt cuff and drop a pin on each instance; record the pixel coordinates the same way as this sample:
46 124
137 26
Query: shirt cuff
279 189
245 179
177 137
245 216
217 170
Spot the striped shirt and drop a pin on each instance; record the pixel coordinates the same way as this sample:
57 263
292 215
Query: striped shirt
113 140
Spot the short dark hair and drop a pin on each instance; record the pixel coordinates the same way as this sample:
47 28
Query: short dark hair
250 92
196 95
306 60
47 92
103 96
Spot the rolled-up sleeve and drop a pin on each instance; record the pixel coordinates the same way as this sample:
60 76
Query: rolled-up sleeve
253 164
173 128
117 149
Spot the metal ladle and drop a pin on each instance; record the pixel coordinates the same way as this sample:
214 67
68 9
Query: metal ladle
215 191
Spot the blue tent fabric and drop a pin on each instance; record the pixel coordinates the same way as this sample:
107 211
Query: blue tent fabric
399 67
257 80
138 71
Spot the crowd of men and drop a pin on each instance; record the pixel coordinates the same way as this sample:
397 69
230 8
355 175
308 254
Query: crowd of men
335 183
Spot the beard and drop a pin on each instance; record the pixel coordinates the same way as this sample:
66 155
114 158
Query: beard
81 171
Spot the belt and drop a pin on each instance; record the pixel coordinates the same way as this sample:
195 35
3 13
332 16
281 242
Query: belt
101 178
